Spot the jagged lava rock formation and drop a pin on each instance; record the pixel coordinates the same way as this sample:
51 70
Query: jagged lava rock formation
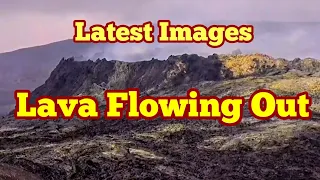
73 77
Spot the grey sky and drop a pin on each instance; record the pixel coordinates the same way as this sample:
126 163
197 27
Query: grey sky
36 22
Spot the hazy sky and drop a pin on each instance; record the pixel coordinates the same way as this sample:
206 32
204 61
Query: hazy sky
35 22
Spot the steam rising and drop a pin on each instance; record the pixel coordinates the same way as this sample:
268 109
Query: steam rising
285 40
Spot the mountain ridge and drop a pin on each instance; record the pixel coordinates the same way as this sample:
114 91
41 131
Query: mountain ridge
188 67
71 77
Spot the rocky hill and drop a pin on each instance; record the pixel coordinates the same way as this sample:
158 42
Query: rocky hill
157 149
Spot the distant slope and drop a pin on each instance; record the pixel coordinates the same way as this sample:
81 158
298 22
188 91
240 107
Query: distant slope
30 63
28 68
